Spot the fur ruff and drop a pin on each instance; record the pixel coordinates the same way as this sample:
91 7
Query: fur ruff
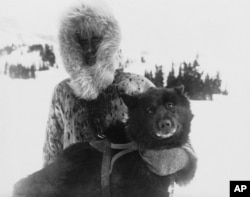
89 19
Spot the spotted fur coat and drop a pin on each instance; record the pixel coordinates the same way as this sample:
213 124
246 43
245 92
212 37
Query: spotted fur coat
72 119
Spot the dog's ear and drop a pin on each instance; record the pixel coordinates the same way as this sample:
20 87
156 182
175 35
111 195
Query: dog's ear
179 89
130 101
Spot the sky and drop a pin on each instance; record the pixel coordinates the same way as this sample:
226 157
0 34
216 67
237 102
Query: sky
164 31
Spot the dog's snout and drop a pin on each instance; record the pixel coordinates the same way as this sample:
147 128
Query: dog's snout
165 124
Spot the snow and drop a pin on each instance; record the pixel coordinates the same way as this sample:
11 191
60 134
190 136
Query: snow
220 136
24 106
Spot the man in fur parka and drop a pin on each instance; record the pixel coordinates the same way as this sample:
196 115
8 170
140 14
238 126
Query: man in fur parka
87 103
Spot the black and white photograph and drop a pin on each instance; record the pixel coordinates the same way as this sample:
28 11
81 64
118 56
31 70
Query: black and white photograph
124 98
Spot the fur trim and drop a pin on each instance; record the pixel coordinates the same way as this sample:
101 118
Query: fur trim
88 18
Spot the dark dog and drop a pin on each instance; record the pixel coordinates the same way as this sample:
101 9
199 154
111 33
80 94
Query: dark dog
158 119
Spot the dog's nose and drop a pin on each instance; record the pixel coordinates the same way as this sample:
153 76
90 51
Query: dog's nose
165 124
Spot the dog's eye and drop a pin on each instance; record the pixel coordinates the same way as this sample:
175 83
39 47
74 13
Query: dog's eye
150 110
170 105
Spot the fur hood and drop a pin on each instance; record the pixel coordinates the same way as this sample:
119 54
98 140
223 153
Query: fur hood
91 17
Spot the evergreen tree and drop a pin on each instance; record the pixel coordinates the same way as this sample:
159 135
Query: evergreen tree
179 78
32 72
143 60
159 79
207 88
171 79
149 75
36 47
191 78
48 55
224 92
217 84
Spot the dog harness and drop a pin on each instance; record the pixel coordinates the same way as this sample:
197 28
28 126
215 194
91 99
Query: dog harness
105 147
162 162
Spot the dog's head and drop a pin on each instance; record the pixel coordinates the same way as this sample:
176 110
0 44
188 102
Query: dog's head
159 118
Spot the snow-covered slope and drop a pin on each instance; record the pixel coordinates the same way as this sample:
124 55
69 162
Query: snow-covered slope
24 106
220 136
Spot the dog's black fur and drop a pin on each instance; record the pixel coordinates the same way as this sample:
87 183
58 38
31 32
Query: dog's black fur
77 171
159 104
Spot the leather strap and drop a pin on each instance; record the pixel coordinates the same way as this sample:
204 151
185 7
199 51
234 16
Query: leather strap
105 147
161 162
105 171
129 147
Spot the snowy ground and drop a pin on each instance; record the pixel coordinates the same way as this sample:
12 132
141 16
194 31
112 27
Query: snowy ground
220 136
